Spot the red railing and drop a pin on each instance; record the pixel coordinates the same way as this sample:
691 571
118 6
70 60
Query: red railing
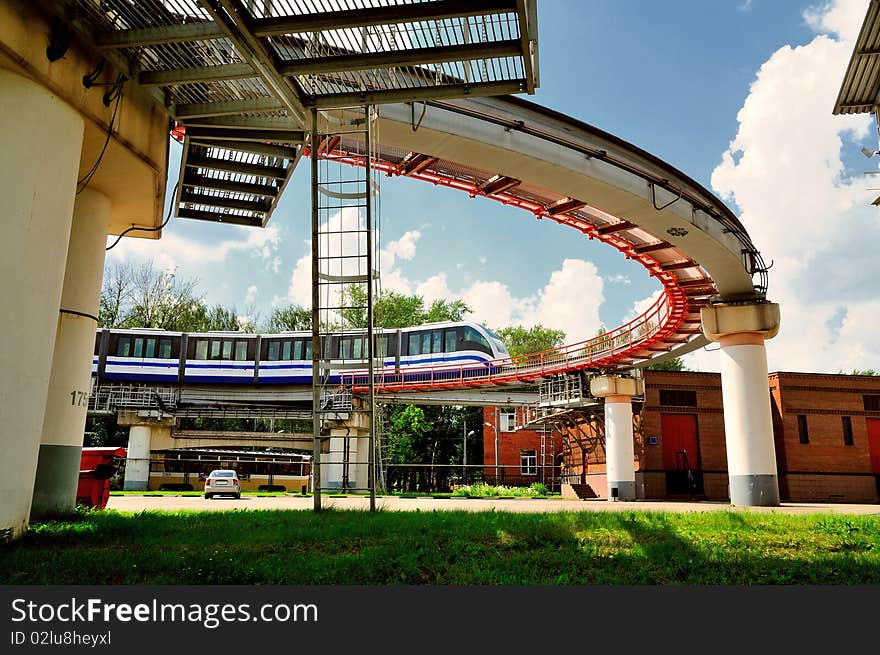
609 350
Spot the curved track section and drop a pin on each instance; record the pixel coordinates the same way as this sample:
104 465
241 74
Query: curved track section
559 169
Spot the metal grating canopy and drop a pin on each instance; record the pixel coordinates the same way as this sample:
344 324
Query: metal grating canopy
314 53
242 75
861 83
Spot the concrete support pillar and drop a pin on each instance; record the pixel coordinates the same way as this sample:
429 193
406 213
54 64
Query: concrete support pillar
620 468
61 446
360 471
332 462
748 426
137 462
39 161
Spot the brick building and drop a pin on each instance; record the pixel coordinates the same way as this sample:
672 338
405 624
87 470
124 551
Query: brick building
524 456
826 430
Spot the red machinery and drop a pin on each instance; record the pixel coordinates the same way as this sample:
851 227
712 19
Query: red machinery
97 466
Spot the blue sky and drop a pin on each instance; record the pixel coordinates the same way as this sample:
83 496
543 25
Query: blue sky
683 80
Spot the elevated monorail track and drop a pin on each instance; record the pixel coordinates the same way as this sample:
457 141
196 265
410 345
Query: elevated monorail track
241 79
559 169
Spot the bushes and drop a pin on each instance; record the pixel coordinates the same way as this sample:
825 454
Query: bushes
483 490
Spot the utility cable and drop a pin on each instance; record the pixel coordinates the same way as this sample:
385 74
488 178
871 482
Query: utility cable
148 229
83 182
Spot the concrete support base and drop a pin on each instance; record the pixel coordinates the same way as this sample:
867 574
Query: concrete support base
618 393
137 462
41 143
62 439
751 456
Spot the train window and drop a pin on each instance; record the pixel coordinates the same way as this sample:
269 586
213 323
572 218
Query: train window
215 349
475 341
308 350
123 347
414 344
298 349
358 349
382 345
150 350
344 349
241 351
201 349
227 350
285 350
426 341
437 341
165 348
451 340
138 350
272 355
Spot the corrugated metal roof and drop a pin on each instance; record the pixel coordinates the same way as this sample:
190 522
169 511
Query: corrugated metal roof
859 90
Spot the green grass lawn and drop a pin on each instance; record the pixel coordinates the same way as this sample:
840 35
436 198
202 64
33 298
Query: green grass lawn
446 548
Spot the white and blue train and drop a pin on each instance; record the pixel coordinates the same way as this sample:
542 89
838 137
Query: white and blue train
152 355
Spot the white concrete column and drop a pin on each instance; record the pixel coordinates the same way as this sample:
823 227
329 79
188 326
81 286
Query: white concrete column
748 422
332 462
619 449
620 470
748 425
137 460
41 140
61 446
360 469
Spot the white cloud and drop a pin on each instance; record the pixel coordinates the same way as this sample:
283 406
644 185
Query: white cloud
785 172
251 294
434 288
300 290
841 17
173 250
618 278
404 247
569 301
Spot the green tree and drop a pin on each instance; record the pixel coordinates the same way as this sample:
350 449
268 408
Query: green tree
395 310
867 372
433 435
522 341
674 364
446 310
289 319
406 431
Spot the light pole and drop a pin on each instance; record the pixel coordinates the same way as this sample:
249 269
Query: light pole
489 425
464 454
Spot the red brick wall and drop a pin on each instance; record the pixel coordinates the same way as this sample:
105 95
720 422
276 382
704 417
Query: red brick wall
825 470
510 444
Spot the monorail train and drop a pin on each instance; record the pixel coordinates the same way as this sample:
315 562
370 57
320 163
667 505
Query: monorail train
153 355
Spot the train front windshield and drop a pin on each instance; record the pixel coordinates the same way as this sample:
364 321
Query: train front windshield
497 343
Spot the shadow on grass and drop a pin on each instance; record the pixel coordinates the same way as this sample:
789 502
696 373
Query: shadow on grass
445 548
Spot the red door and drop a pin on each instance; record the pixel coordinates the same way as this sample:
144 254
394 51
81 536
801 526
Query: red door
874 443
679 434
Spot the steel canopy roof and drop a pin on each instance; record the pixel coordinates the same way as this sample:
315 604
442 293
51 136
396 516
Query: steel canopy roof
241 76
861 82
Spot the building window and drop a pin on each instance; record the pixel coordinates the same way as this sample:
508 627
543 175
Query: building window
803 432
847 430
528 462
872 403
678 397
507 420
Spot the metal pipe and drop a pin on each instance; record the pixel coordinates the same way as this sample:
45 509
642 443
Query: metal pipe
316 318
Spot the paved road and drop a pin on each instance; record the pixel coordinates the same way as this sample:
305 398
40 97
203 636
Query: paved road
132 503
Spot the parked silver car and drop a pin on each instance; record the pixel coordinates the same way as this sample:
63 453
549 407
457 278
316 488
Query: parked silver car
222 482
